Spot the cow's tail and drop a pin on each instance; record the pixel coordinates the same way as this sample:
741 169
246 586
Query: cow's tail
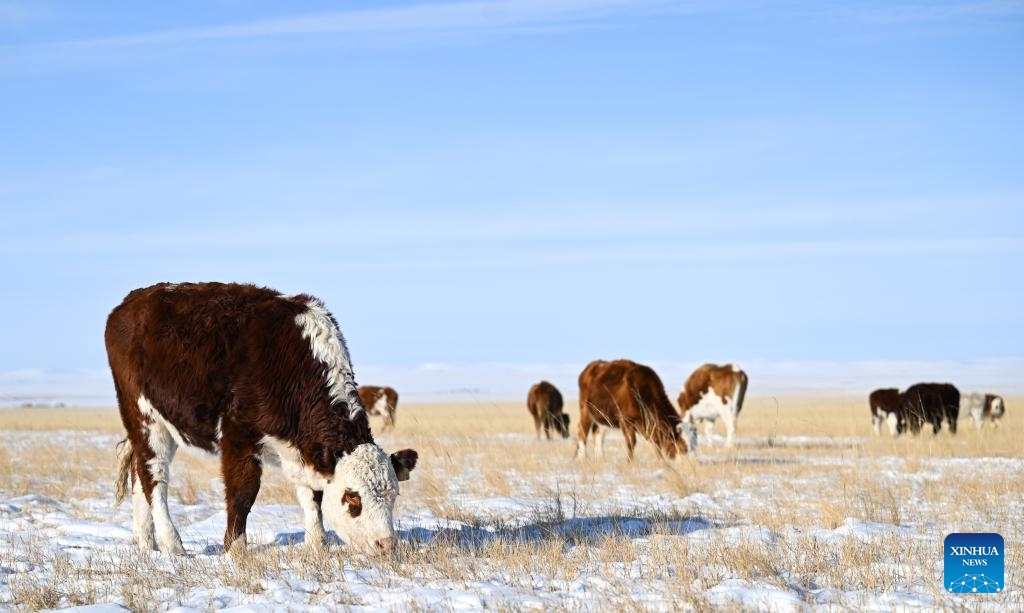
741 390
124 463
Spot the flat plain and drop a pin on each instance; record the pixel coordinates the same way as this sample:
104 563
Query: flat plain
809 511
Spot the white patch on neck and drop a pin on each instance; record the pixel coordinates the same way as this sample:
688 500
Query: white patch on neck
275 451
328 346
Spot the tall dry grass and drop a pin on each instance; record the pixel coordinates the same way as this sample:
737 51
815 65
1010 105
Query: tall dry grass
804 470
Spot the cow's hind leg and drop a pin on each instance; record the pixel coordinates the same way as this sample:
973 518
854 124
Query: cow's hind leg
142 513
162 446
135 462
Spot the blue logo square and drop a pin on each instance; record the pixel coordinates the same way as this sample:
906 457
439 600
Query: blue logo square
974 563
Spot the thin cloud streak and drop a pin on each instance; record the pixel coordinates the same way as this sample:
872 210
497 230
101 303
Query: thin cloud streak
474 17
890 14
482 17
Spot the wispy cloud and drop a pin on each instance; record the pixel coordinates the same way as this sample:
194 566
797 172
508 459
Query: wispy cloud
448 22
895 13
480 17
15 15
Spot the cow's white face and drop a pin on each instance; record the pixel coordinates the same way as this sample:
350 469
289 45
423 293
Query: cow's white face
688 432
997 407
360 500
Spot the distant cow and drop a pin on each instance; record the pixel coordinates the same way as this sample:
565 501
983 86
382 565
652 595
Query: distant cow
988 408
545 405
260 378
381 401
885 404
929 403
714 392
629 396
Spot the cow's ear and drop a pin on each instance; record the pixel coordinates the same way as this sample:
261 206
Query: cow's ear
403 462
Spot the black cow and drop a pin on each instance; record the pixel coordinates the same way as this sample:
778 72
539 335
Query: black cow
929 403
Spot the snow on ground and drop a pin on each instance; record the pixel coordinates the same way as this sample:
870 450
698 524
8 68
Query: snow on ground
609 547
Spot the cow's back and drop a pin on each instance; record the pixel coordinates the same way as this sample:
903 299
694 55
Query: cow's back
622 390
544 399
725 381
885 400
198 350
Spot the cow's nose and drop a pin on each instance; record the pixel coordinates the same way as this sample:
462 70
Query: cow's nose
385 545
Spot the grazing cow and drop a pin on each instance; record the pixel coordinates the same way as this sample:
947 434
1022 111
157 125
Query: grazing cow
885 404
381 401
629 396
988 408
260 378
545 405
714 392
931 403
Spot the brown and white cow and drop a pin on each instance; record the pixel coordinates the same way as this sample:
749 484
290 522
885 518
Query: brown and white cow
260 378
714 392
382 401
988 408
544 402
629 396
885 404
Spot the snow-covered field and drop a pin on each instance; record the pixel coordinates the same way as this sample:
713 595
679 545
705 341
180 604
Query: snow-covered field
807 513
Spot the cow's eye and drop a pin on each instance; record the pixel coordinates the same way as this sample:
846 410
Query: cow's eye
354 502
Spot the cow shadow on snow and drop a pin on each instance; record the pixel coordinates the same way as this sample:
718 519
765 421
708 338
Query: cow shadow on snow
573 531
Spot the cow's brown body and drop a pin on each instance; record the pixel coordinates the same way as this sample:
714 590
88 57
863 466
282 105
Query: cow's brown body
236 369
544 402
629 396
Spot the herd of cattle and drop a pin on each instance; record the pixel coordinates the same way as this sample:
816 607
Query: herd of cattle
931 403
624 395
630 397
263 378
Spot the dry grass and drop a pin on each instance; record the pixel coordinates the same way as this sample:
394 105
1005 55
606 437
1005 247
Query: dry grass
803 470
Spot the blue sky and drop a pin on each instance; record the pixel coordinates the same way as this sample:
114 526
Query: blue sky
524 182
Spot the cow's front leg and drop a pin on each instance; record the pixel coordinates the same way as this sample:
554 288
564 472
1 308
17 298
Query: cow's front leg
313 518
241 470
709 429
730 430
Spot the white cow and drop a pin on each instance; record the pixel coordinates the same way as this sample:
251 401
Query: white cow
714 392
